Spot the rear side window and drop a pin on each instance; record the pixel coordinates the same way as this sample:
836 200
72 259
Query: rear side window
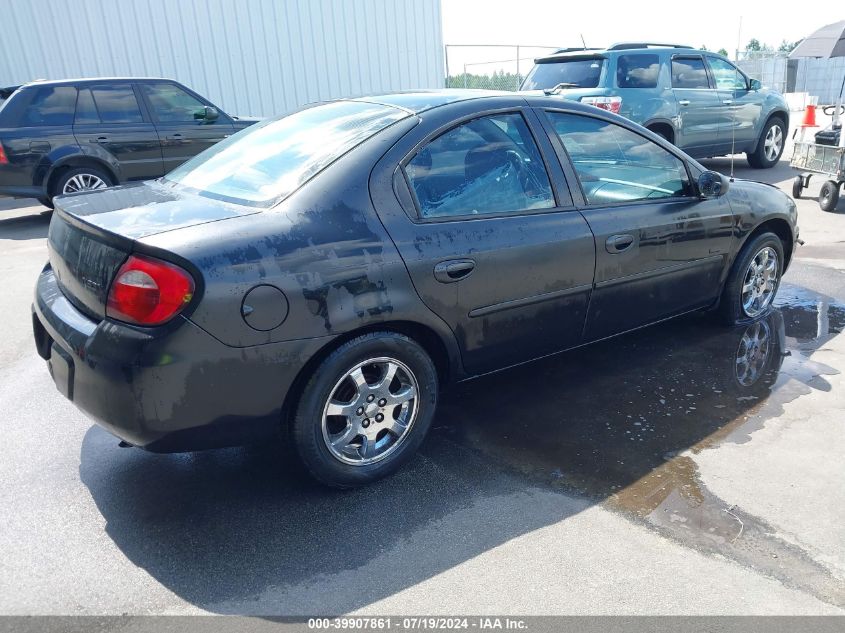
637 71
489 165
689 72
171 104
38 107
116 104
575 73
615 164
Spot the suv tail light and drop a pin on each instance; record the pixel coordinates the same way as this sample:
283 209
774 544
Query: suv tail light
613 104
148 291
3 159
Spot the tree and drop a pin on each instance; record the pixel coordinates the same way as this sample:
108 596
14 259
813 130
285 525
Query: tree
753 45
788 47
722 52
704 48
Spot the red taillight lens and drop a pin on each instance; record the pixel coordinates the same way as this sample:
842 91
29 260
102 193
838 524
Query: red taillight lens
613 104
148 291
3 159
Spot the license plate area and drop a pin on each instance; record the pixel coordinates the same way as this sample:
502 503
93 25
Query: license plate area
61 369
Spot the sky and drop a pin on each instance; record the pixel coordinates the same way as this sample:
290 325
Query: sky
713 23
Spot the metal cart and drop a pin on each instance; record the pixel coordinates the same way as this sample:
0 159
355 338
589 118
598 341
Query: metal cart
812 158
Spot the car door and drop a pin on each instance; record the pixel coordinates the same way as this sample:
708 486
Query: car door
489 236
111 124
698 106
180 119
739 122
660 248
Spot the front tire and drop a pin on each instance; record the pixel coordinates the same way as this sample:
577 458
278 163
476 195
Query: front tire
365 410
770 146
754 280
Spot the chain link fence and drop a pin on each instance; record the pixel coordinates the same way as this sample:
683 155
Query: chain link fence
491 66
772 69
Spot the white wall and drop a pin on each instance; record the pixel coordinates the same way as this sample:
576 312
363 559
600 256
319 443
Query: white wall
250 57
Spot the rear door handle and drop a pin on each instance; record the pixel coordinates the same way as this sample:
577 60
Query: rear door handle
683 102
175 137
618 243
453 270
100 139
728 101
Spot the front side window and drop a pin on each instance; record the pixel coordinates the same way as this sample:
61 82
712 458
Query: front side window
727 75
268 161
571 73
117 104
489 165
615 164
689 72
171 104
637 71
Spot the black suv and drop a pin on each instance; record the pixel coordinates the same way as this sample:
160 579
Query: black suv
60 137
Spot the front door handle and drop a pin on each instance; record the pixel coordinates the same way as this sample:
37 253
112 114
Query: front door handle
100 139
683 102
728 101
453 270
618 243
175 137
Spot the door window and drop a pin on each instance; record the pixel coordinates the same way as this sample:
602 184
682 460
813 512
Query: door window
637 71
488 165
113 104
727 76
172 104
615 164
689 72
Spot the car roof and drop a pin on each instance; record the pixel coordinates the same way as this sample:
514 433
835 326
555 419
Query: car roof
90 80
622 47
416 101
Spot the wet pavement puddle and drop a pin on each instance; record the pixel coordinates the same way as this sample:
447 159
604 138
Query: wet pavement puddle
621 421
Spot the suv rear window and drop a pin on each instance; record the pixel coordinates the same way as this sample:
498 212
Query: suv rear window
637 71
570 73
37 107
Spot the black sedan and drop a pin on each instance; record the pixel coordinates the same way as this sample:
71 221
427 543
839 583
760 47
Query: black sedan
322 275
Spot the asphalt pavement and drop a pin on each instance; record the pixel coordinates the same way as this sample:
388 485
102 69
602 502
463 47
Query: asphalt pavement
635 476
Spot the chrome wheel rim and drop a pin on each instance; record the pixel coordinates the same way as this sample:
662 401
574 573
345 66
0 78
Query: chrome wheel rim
774 142
370 411
752 354
83 182
760 282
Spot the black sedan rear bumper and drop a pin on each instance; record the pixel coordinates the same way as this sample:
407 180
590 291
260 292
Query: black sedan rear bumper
167 389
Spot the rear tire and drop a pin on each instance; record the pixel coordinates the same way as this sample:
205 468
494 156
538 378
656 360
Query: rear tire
745 282
770 146
829 196
81 179
353 424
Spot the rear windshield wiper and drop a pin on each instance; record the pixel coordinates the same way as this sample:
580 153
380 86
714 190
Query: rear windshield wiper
560 87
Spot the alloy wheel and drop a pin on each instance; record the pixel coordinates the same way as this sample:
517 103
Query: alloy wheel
370 411
760 282
83 182
773 143
752 353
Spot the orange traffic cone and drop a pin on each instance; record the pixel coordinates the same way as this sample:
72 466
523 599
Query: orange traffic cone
809 116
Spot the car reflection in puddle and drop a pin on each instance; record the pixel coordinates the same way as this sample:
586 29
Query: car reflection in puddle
620 421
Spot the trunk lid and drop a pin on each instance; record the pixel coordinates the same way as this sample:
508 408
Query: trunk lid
91 234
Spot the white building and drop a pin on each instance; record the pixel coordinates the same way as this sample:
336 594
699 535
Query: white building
249 57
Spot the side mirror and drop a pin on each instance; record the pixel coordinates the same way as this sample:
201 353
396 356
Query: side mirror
712 184
207 114
754 84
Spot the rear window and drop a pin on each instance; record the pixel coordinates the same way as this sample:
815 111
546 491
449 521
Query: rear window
268 161
637 71
37 107
574 73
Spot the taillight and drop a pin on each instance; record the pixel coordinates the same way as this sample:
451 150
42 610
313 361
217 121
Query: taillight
3 159
613 104
148 291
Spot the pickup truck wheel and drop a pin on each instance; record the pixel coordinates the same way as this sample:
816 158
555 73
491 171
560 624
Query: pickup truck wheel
770 146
